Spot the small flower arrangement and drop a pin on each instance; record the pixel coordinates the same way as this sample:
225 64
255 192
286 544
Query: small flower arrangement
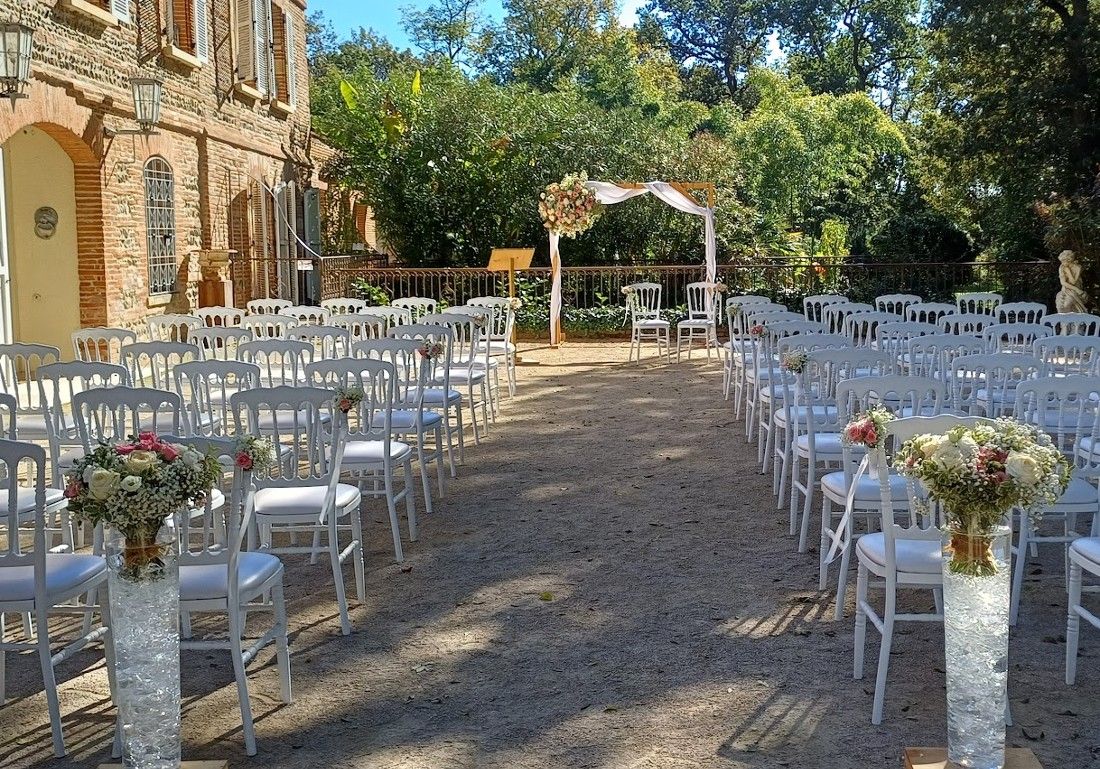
431 350
868 428
978 474
569 207
480 321
629 290
515 303
794 361
252 453
718 287
733 310
757 330
134 487
347 398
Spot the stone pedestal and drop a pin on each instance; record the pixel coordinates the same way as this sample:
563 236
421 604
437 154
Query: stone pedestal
216 286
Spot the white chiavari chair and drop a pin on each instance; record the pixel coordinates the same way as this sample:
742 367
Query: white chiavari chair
1068 355
1014 337
282 362
1080 323
268 326
437 368
220 317
740 348
895 304
893 337
932 355
151 363
267 306
836 313
1021 312
205 388
500 332
307 315
220 342
985 384
813 307
978 302
361 326
394 316
172 327
416 307
302 493
964 324
643 304
771 389
929 312
762 365
19 363
700 323
327 341
465 354
343 306
101 345
862 327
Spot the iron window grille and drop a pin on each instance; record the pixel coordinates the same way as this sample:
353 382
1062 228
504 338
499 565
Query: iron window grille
160 226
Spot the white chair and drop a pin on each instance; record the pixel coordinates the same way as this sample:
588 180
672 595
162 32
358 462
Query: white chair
205 388
700 324
361 326
268 326
893 337
152 362
903 555
836 313
465 354
769 390
443 398
1014 337
327 341
986 383
739 349
302 493
343 305
393 315
1080 323
219 342
1084 556
411 418
219 577
1021 312
19 363
370 451
499 337
172 328
861 495
978 302
813 307
307 315
932 355
101 345
40 583
282 362
762 366
58 383
267 306
117 413
481 357
220 317
1066 408
929 312
895 304
1068 354
862 327
962 324
417 307
643 304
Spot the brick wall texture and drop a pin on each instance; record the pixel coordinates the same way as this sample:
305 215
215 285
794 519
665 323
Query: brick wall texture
219 143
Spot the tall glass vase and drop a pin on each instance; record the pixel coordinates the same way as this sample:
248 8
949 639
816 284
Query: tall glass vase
143 583
975 617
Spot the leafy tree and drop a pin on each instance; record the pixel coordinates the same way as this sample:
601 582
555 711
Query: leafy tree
717 41
445 28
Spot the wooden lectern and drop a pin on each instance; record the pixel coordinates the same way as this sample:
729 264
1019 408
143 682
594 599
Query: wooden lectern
509 260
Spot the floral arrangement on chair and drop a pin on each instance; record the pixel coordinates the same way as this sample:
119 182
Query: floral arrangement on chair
569 207
718 287
134 487
431 350
515 303
757 330
794 361
868 428
347 398
629 291
251 452
480 321
980 473
733 310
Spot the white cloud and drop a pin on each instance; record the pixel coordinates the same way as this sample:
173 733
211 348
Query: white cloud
629 14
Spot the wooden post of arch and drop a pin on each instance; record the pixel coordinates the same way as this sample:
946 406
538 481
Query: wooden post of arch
687 189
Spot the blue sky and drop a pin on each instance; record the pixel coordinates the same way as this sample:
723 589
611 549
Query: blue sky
384 16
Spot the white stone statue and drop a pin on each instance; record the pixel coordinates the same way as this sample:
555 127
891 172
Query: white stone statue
1072 298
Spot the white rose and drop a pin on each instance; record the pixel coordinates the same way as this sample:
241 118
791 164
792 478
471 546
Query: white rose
130 483
88 473
948 456
103 483
137 461
931 444
1023 468
968 447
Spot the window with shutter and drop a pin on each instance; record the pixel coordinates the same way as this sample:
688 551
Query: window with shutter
291 64
121 9
202 30
246 40
180 18
261 36
278 50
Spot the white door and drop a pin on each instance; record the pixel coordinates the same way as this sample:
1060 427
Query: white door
5 271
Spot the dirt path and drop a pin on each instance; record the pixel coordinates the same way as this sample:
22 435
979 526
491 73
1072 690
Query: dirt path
608 584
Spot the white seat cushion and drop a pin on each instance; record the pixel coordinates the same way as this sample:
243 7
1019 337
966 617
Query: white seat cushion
825 443
404 420
497 346
913 556
867 490
1087 549
696 323
651 323
284 420
204 582
1079 492
358 452
64 573
69 457
24 500
435 395
464 376
30 425
303 500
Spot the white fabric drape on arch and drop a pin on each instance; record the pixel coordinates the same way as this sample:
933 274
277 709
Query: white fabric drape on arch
609 194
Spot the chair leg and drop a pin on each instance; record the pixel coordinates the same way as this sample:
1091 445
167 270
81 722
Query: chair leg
1073 623
473 414
425 481
49 682
823 548
357 555
282 642
842 581
861 622
1018 571
884 656
410 501
807 504
395 524
440 452
241 675
461 432
338 579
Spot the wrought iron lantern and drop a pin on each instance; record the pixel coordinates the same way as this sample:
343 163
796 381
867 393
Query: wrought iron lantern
16 47
147 91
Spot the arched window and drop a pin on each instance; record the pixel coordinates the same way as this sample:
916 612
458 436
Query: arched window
160 225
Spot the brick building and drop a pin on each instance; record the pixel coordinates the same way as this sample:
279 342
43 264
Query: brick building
228 166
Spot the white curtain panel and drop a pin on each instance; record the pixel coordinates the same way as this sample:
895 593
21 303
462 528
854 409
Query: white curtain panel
609 193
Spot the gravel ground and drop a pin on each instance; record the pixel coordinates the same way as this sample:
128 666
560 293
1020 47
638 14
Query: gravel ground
607 584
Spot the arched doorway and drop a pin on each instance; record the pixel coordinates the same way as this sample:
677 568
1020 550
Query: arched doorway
40 207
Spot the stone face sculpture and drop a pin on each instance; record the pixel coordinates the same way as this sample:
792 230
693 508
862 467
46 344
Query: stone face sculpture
1072 298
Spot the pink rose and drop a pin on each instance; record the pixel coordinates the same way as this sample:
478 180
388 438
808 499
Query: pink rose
243 461
167 453
72 490
870 437
125 449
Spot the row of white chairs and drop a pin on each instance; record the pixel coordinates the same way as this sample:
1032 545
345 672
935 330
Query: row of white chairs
1048 380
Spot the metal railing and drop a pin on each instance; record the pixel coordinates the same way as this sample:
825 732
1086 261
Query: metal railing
786 281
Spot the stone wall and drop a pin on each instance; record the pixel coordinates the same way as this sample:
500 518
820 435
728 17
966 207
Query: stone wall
217 141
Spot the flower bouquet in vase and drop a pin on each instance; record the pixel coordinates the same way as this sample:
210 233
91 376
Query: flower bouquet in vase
136 490
977 475
867 430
